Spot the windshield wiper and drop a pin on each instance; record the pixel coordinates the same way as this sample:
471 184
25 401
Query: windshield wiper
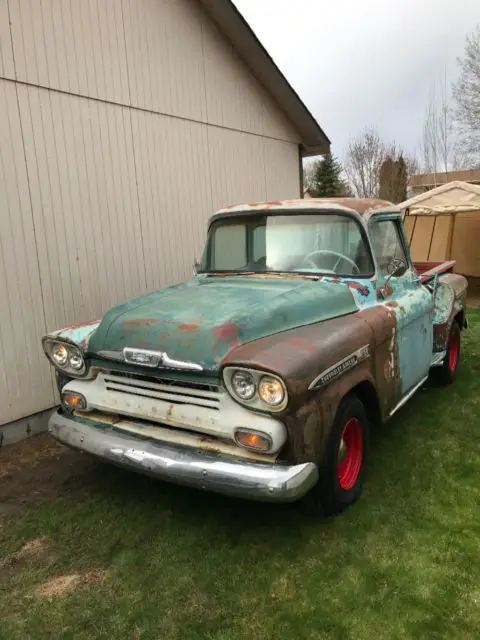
261 274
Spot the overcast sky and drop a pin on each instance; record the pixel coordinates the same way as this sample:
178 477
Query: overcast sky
364 63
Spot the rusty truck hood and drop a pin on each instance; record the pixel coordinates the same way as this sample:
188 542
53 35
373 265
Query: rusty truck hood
200 321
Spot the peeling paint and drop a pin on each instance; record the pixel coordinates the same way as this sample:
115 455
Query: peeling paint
188 328
79 333
358 286
202 320
363 206
130 325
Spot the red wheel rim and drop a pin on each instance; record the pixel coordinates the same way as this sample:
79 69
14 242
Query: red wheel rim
350 454
454 352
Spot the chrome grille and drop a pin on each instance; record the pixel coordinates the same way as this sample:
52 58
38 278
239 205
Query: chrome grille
174 391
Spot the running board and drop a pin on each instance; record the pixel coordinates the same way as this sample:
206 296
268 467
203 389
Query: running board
407 397
438 358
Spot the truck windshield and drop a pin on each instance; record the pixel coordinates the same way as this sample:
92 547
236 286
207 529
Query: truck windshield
313 243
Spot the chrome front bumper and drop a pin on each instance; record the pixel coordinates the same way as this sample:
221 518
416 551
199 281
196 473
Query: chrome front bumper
187 466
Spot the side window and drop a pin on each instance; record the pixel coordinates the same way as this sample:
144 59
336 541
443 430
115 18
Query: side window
387 244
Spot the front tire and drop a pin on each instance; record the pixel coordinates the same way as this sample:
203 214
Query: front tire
343 465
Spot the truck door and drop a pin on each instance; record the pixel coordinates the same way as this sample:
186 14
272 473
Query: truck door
410 301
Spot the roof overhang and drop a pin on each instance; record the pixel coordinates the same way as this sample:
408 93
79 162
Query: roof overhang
231 22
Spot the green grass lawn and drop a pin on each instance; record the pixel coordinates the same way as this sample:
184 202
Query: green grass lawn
172 563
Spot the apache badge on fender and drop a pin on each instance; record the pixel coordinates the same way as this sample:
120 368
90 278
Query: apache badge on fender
339 367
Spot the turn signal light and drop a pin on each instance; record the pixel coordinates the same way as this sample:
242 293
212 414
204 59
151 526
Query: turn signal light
74 400
253 440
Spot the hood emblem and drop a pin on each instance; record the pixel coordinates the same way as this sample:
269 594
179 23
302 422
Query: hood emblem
154 359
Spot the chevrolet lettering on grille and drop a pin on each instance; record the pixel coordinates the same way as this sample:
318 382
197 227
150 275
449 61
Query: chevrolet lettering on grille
143 357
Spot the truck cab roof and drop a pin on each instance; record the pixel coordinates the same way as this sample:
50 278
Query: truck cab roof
364 207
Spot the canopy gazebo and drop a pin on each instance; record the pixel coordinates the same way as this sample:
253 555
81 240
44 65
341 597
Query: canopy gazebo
444 224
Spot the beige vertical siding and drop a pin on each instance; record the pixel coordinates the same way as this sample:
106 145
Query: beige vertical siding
7 68
81 167
125 124
237 167
282 180
25 380
234 97
174 193
76 46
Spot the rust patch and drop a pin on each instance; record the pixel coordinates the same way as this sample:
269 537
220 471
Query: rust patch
388 290
392 304
139 322
189 328
78 325
298 343
105 418
353 284
163 335
227 332
360 205
441 334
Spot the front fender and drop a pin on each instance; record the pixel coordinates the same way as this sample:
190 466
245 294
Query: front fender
300 357
78 334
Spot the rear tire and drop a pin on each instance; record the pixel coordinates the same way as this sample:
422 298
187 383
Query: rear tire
447 373
343 464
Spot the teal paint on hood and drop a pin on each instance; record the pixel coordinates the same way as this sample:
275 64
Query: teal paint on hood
201 320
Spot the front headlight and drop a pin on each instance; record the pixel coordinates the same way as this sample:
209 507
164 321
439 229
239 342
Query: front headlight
243 384
256 389
65 356
59 355
271 391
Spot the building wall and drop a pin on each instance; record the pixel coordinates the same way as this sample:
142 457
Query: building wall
125 124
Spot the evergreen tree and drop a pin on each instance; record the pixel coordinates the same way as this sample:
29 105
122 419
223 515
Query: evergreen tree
326 179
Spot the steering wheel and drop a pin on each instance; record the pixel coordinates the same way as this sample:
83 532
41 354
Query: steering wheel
336 254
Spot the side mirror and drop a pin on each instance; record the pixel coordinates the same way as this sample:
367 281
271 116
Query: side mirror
396 267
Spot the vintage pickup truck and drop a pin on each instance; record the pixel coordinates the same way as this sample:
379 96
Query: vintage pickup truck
305 325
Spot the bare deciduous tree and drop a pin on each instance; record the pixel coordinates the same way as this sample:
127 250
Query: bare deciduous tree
308 173
466 94
437 146
363 159
413 166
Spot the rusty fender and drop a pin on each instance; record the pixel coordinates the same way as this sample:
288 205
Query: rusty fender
303 355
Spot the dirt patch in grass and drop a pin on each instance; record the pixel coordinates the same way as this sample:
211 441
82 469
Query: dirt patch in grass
63 585
36 471
36 549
